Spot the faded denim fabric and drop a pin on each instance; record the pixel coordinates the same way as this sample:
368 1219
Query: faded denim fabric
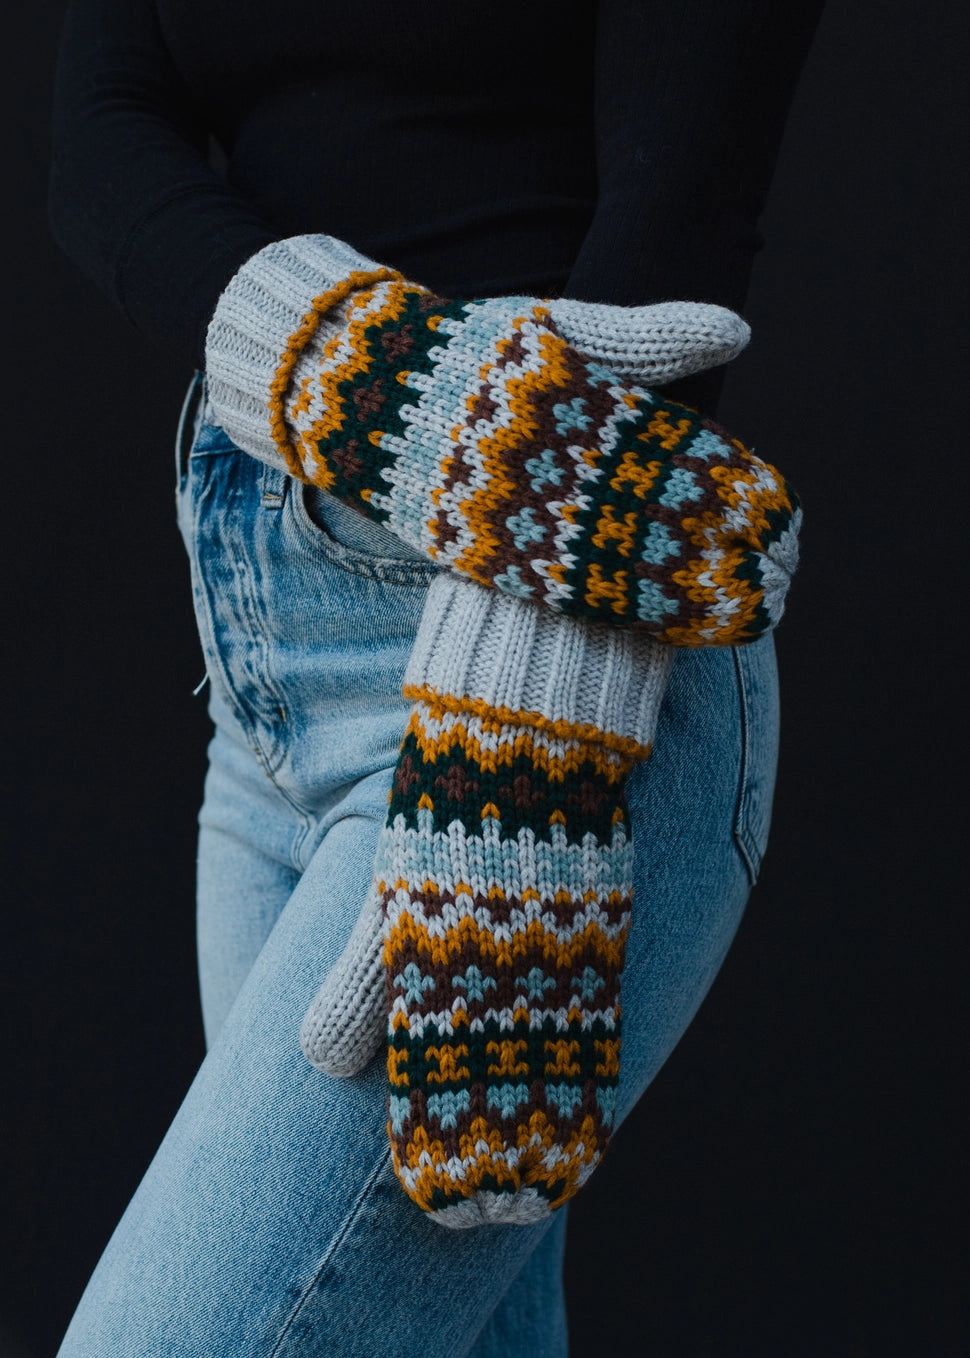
270 1224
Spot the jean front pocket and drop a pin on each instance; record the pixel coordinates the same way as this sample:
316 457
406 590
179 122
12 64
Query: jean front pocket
349 540
757 675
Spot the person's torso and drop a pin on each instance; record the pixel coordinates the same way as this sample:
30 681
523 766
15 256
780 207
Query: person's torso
450 138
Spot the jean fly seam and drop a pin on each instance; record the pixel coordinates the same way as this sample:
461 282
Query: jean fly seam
210 650
274 756
335 1245
213 656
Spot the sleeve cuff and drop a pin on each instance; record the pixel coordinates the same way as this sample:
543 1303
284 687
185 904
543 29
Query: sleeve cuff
482 644
263 305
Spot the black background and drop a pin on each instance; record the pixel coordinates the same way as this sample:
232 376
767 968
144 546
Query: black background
790 1184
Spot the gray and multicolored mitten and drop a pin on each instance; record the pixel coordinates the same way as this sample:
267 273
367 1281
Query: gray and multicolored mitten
491 435
490 950
507 439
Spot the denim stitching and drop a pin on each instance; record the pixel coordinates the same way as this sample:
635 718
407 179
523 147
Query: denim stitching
213 656
206 622
274 756
252 603
338 1240
274 488
357 563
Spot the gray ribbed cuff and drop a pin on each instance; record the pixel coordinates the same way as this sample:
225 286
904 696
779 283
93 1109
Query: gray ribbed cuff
263 305
475 642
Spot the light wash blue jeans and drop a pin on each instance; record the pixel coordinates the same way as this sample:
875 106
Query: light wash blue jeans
270 1224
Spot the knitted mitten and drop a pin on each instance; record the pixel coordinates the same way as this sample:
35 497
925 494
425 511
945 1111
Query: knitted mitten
491 945
478 433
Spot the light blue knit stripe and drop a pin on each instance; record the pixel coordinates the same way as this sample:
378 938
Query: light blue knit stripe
681 487
606 1098
565 1097
652 603
508 1020
513 865
399 1108
447 1105
660 543
507 1098
706 445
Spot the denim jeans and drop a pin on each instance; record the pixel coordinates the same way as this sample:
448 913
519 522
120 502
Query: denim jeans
270 1224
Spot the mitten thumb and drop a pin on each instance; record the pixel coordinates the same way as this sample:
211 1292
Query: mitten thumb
345 1025
652 344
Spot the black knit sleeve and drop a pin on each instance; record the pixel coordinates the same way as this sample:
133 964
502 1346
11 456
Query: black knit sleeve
133 199
691 100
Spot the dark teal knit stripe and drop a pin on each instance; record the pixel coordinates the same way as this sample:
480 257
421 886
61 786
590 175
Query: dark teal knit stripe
535 1055
522 793
372 401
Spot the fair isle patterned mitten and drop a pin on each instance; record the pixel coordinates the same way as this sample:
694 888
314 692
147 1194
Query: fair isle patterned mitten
492 435
491 946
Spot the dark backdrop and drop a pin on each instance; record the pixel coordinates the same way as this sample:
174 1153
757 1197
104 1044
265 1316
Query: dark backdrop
790 1183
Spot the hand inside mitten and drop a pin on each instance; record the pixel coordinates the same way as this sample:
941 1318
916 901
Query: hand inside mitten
477 433
491 945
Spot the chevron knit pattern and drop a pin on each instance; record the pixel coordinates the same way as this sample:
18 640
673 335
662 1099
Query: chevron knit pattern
477 434
506 876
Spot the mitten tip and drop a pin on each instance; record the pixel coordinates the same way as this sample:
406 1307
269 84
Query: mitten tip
522 1208
328 1054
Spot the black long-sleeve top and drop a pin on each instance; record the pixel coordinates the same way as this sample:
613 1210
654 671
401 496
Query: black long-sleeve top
616 151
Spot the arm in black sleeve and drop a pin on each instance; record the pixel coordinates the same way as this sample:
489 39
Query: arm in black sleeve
133 199
691 101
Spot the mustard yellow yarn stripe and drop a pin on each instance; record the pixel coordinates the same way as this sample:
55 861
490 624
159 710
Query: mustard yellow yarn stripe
492 718
301 337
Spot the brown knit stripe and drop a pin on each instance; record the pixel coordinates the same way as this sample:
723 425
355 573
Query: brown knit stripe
557 378
502 905
512 988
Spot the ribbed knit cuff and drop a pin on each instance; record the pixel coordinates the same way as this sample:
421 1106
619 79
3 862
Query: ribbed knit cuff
264 304
482 644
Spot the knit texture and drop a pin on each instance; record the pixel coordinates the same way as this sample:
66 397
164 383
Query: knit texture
506 879
509 656
502 894
254 323
344 1026
479 435
653 344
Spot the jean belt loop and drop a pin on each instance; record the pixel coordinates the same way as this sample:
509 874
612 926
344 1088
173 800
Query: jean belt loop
275 482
